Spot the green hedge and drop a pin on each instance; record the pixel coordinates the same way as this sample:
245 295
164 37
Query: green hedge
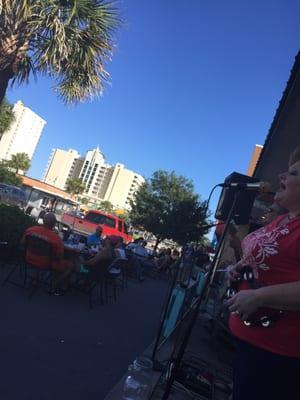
13 223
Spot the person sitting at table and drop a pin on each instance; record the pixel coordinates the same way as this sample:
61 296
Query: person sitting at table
140 258
165 261
104 256
95 239
61 268
119 246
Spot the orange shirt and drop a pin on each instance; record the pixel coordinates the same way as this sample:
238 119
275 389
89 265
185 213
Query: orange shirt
57 247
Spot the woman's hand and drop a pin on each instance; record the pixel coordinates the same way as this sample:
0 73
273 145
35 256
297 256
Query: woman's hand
244 303
233 271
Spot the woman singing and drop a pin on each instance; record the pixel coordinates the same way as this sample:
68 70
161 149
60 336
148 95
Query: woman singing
265 311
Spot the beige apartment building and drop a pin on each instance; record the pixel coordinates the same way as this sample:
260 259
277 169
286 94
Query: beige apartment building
113 183
122 186
60 166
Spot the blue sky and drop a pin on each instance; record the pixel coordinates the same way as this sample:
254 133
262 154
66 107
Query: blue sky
195 84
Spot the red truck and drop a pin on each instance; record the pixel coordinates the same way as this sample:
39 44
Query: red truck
85 225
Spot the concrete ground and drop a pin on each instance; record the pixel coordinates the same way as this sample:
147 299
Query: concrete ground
56 348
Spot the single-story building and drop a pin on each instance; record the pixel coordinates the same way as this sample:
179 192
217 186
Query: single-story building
41 196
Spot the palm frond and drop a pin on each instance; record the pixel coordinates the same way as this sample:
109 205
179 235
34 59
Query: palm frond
71 40
25 69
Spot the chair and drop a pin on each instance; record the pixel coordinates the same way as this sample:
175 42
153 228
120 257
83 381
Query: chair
88 279
116 272
40 247
102 277
122 262
3 246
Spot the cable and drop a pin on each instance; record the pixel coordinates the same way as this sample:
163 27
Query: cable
209 197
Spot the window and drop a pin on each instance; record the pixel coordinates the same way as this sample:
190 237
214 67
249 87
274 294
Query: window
45 201
125 229
109 222
120 225
34 195
100 219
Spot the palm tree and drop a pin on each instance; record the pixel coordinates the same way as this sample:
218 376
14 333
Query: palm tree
105 206
75 186
19 161
7 116
70 40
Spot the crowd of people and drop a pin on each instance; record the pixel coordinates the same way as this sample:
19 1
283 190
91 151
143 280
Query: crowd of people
76 253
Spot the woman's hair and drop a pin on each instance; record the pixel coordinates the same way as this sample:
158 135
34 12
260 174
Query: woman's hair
294 156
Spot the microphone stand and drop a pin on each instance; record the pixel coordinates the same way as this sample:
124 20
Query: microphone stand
157 366
176 361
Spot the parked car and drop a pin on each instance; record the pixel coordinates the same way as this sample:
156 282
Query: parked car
85 225
12 195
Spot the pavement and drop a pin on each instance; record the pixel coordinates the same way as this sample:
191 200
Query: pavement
56 348
210 349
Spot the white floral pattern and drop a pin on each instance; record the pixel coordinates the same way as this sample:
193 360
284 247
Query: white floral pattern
260 245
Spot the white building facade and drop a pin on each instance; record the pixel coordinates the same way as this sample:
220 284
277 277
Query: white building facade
24 133
91 171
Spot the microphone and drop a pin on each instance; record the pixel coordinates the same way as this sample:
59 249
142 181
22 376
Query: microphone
261 187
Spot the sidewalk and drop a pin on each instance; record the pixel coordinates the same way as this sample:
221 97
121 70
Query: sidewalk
56 348
209 347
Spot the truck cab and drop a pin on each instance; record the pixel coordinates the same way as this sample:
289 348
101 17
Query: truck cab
86 225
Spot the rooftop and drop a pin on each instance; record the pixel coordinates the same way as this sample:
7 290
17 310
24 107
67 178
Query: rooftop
283 103
45 187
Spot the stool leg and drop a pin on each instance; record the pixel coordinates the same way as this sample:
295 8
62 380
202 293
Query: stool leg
91 298
115 289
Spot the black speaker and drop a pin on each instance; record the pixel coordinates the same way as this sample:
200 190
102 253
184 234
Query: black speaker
244 203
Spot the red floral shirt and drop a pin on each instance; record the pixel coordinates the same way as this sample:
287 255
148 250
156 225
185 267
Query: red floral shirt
274 253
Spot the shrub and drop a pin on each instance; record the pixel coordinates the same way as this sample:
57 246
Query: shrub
7 176
13 223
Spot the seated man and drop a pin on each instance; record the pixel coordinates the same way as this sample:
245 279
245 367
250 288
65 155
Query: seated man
56 261
95 239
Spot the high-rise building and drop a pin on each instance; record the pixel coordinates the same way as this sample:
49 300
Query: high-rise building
23 134
103 181
122 186
91 171
60 167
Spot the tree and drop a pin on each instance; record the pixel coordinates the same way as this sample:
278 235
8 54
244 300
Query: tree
70 40
7 176
167 206
19 161
84 200
75 186
7 116
105 206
